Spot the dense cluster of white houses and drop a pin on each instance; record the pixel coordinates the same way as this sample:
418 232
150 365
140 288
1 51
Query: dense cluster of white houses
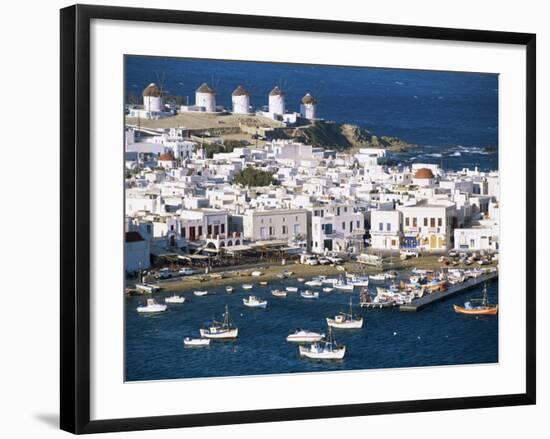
180 202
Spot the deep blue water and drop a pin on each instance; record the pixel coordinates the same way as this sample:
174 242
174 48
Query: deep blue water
433 336
441 110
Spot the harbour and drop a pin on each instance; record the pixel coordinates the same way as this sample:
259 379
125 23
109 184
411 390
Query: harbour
155 347
424 301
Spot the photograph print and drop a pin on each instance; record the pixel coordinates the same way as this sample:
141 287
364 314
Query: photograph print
296 218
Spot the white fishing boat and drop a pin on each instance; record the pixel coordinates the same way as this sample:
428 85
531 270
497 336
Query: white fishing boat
307 294
313 283
200 293
151 307
323 350
292 289
174 299
330 280
255 302
343 285
248 286
378 277
328 289
359 281
196 342
279 293
344 320
304 336
229 289
220 330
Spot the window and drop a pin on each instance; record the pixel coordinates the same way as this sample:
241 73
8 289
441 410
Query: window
172 227
432 222
222 228
380 227
407 221
414 222
271 231
200 230
183 232
439 222
388 227
209 229
351 226
337 211
425 222
345 209
358 223
343 226
296 229
285 230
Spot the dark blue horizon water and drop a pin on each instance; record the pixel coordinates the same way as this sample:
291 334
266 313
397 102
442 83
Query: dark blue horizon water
435 336
446 112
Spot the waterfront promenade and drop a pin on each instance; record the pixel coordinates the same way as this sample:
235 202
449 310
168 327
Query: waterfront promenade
424 301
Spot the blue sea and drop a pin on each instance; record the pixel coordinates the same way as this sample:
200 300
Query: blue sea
453 116
389 338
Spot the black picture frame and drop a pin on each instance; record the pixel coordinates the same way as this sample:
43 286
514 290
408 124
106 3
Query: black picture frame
75 217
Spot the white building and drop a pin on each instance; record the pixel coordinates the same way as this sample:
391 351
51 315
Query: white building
240 98
308 108
428 226
167 161
153 104
484 237
424 177
136 252
289 224
208 228
276 102
337 228
205 98
385 229
152 98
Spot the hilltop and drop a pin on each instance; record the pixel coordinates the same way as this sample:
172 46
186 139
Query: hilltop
345 136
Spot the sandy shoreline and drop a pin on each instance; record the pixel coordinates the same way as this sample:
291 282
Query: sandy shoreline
236 275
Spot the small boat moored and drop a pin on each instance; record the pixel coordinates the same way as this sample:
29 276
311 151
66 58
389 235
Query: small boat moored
248 286
344 320
323 350
255 302
304 336
279 293
174 299
307 294
200 293
220 330
151 307
292 289
196 342
484 308
229 288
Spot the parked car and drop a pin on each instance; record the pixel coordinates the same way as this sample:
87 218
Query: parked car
311 260
164 273
335 259
186 271
324 261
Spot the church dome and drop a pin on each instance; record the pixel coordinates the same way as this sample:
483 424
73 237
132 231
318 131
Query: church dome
424 173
